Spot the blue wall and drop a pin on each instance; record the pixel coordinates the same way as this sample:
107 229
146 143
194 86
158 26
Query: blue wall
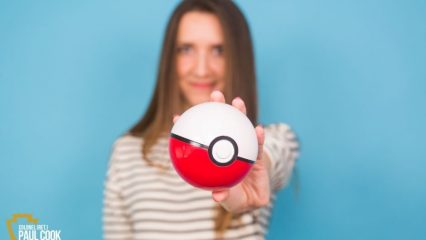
349 76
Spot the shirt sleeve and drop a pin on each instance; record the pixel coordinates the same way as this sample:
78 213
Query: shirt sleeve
116 222
282 147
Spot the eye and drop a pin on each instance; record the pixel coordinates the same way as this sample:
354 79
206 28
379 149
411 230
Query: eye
217 50
184 49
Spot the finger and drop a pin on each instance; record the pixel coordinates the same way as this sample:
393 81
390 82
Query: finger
260 133
239 103
175 118
217 96
220 195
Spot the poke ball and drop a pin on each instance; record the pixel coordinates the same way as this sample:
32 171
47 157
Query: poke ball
213 145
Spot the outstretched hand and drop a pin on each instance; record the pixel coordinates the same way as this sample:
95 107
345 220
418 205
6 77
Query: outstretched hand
254 190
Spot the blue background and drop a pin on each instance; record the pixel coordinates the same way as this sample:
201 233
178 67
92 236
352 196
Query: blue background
348 76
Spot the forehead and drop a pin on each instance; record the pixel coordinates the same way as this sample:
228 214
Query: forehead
202 27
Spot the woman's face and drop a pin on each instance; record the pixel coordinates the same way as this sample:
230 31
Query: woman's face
200 60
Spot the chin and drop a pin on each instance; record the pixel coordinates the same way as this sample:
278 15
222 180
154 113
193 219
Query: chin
197 100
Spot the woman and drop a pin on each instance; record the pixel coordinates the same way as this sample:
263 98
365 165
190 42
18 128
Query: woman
207 50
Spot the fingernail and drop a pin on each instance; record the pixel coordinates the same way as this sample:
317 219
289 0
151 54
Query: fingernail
239 100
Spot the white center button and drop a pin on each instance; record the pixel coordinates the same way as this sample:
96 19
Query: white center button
223 151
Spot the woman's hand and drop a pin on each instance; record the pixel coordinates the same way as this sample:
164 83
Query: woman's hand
254 190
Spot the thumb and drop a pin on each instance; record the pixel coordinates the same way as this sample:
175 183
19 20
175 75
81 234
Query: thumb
220 195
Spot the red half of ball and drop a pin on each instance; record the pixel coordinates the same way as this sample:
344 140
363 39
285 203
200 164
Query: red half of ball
194 165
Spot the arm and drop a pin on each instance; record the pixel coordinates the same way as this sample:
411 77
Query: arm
282 147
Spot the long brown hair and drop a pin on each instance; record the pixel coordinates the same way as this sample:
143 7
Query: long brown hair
240 79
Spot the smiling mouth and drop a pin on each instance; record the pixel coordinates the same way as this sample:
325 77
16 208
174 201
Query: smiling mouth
202 85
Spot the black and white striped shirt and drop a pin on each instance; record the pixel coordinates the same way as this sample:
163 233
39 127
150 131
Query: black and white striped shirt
144 202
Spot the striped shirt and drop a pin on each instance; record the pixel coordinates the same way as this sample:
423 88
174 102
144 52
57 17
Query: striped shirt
145 202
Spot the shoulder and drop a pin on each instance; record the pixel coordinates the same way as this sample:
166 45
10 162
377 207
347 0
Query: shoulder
124 146
281 135
126 141
275 129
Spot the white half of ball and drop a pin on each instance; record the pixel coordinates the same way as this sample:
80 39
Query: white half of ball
204 122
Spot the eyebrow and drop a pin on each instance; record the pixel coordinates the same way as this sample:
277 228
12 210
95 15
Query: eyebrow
184 43
191 44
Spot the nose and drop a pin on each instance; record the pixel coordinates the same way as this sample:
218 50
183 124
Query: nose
201 65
